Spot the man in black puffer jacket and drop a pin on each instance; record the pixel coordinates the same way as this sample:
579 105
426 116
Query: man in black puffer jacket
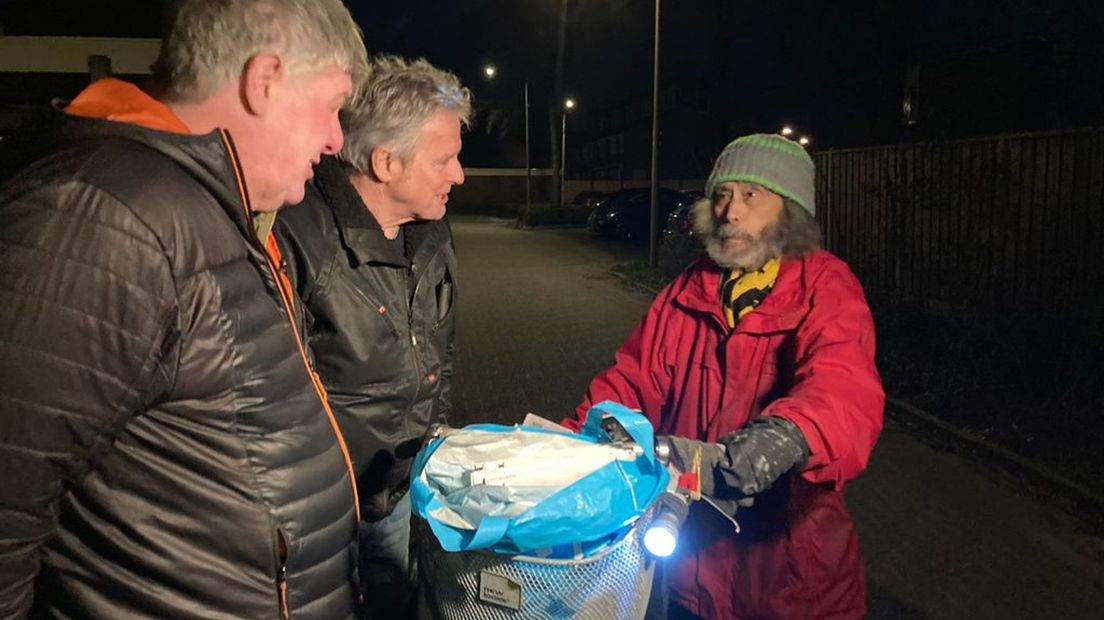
372 259
166 450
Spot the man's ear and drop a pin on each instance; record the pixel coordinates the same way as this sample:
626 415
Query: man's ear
260 75
381 162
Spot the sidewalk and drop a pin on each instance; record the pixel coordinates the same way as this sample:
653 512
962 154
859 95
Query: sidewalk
944 536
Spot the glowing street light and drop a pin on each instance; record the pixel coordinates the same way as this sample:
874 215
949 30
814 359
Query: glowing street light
786 130
489 72
804 141
569 104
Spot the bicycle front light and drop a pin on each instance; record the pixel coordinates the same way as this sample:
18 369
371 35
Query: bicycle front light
661 533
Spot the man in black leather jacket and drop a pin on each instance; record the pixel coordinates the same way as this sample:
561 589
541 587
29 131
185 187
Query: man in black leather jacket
372 260
165 449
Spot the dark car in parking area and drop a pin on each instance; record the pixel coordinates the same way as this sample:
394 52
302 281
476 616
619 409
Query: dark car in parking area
588 199
626 213
694 194
679 245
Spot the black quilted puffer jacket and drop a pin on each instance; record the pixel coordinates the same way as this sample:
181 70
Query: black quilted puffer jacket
165 451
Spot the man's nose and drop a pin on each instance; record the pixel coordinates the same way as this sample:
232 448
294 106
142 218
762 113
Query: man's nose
335 138
734 209
456 173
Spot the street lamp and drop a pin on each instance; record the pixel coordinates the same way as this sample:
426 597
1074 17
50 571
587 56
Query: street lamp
804 140
568 105
786 131
490 71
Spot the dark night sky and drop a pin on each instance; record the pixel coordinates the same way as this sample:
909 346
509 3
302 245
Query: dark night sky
462 34
781 53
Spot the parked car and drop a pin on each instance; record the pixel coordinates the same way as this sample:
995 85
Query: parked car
679 245
694 194
625 215
588 199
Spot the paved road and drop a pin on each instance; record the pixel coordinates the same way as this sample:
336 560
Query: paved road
944 536
539 315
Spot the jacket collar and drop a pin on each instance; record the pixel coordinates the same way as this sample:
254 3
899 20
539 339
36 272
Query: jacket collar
782 309
112 99
360 232
113 109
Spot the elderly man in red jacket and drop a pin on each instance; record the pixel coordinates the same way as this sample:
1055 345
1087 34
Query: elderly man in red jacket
758 362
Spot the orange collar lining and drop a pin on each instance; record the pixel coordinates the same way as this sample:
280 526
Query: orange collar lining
115 100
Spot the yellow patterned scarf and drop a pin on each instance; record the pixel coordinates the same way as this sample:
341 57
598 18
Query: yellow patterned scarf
743 291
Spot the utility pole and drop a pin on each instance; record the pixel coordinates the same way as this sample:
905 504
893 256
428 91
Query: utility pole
528 164
653 233
554 123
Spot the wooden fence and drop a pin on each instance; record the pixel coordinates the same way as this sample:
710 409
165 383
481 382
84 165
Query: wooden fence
1004 223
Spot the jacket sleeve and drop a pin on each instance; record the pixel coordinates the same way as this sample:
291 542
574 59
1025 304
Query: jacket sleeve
638 378
87 329
836 399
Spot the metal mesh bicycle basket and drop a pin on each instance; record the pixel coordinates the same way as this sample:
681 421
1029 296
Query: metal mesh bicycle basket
482 585
523 522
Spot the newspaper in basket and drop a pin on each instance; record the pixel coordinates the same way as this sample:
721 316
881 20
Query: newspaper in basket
532 523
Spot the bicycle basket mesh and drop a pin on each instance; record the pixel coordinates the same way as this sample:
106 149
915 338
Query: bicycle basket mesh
611 585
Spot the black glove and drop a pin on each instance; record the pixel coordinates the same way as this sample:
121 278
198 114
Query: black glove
744 462
759 454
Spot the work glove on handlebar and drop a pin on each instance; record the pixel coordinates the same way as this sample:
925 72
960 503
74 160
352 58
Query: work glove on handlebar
744 462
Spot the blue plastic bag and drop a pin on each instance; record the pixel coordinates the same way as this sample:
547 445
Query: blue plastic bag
578 519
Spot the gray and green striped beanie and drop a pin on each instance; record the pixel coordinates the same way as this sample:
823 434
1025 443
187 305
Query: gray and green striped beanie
771 161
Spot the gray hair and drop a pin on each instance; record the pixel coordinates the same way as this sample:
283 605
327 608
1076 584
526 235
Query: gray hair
207 43
798 229
399 97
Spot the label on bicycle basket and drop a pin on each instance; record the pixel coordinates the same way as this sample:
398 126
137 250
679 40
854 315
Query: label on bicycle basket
499 590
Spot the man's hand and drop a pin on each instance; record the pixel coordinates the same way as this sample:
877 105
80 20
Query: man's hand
690 456
759 454
745 462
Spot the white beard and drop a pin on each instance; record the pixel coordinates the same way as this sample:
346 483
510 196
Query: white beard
757 249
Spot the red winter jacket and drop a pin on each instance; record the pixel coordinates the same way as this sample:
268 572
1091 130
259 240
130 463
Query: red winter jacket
806 354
